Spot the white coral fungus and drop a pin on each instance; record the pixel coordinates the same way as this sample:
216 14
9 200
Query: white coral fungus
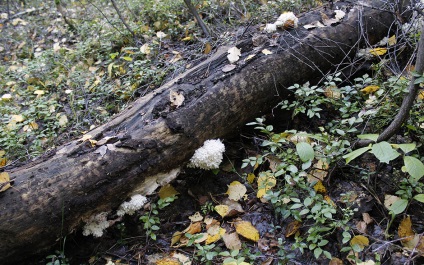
96 224
137 201
287 20
209 156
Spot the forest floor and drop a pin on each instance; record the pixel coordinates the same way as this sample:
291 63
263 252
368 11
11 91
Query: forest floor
58 82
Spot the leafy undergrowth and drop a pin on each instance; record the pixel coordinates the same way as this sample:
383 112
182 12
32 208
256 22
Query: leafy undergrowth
298 196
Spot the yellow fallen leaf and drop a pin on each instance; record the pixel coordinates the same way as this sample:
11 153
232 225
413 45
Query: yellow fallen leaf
332 92
167 191
292 228
249 57
368 262
236 191
63 120
266 181
266 52
222 210
3 161
17 118
168 261
39 92
392 40
4 181
231 241
420 94
360 241
409 239
389 200
335 261
378 51
85 137
208 48
329 200
370 89
247 230
193 228
197 217
215 237
320 188
176 237
250 178
188 38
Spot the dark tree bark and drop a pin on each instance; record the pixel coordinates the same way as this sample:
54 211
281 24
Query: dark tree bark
152 137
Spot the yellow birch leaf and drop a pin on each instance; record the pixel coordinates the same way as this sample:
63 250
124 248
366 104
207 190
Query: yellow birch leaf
3 161
292 228
329 200
176 238
370 89
250 178
188 38
4 178
33 125
360 241
236 191
63 120
247 230
193 228
266 181
409 239
320 188
167 191
17 118
222 210
378 51
392 40
421 94
168 261
208 48
216 237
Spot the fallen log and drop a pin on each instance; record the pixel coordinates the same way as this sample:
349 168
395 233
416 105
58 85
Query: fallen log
146 144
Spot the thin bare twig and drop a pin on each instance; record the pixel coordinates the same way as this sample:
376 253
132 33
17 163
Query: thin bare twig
122 18
198 18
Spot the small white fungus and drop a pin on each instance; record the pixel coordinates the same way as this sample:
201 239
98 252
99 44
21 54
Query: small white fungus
209 156
137 201
96 224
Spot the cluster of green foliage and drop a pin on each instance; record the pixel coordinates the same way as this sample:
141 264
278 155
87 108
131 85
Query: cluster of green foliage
296 197
151 220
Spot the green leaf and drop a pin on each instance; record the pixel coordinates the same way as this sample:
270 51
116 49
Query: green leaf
414 167
419 80
127 58
317 252
384 152
419 197
305 151
406 148
372 137
398 206
352 155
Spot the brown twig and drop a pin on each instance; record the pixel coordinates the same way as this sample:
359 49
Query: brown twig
407 102
198 18
122 18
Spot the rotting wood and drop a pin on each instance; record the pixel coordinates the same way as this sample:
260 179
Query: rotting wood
151 137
